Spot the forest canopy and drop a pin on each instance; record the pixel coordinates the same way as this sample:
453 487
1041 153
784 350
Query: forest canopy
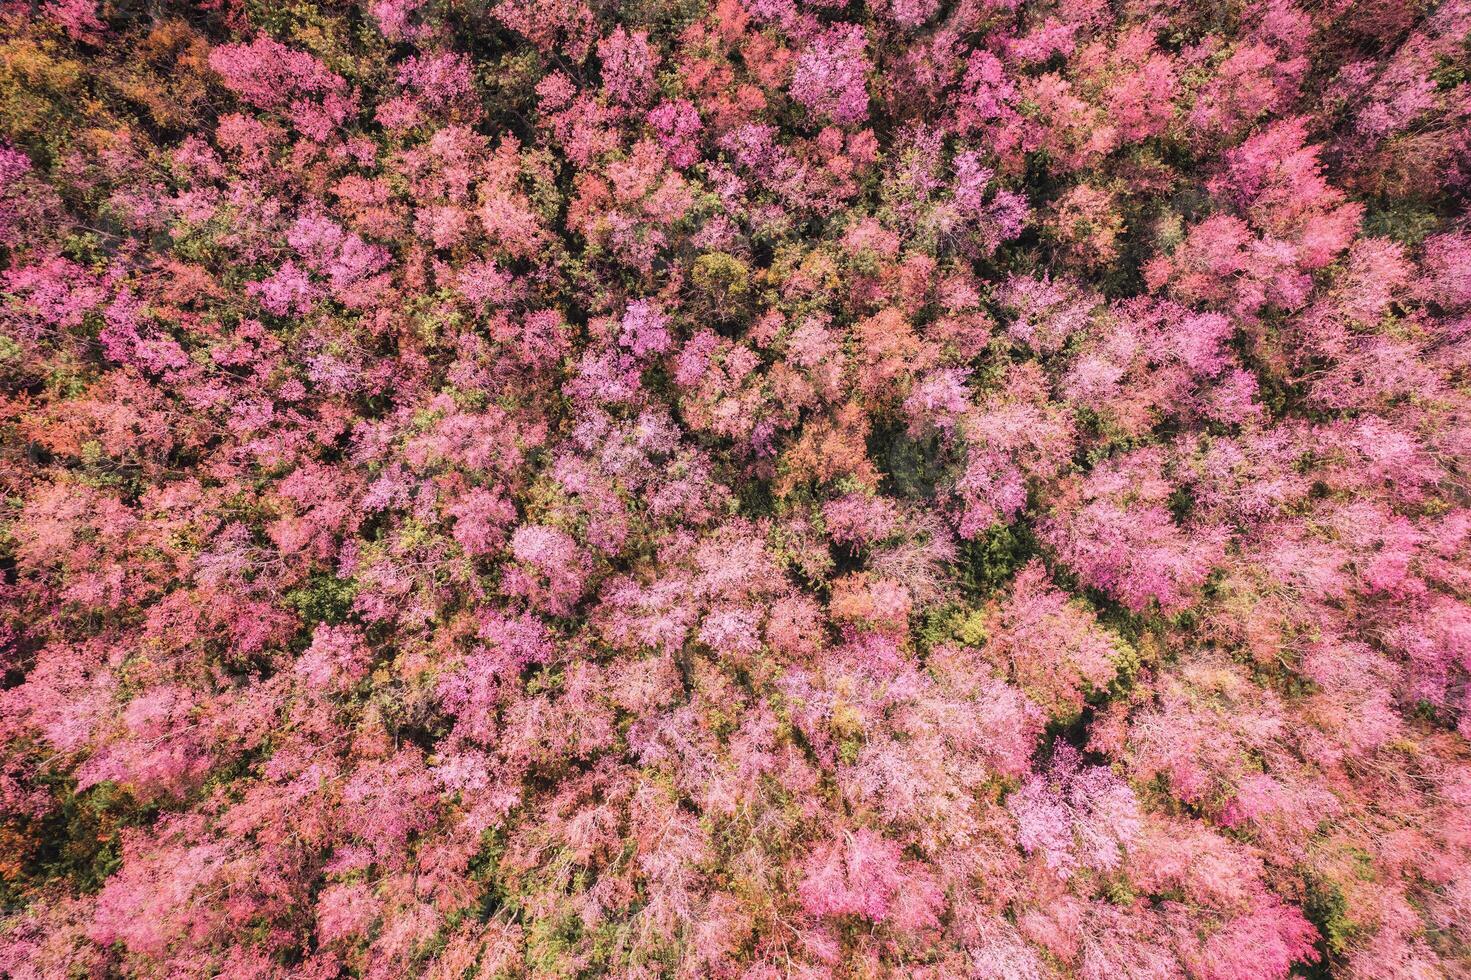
735 489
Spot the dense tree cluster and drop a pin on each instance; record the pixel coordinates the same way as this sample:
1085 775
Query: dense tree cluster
735 488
